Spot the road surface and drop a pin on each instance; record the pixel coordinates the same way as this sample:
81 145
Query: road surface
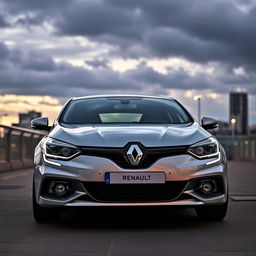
128 232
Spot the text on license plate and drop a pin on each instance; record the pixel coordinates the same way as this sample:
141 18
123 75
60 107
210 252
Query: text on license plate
134 178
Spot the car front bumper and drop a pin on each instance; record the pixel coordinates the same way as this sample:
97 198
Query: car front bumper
82 169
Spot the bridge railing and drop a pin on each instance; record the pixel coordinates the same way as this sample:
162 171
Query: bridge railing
239 148
17 147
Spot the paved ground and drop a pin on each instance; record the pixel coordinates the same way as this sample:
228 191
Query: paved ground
129 232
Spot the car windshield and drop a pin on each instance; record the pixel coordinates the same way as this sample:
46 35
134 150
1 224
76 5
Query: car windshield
124 110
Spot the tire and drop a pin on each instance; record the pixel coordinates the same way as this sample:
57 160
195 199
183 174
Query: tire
43 214
212 212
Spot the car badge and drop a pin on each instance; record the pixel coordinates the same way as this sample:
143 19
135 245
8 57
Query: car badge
134 154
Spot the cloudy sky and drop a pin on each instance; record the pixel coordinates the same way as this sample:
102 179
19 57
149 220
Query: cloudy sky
54 49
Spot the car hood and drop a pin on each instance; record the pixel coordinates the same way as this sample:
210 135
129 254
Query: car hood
120 135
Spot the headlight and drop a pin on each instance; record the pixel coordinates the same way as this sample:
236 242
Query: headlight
55 149
205 149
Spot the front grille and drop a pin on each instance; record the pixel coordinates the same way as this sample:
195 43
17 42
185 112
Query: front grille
119 157
135 192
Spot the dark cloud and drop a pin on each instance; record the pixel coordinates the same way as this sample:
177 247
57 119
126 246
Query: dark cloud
97 63
30 20
4 51
72 82
173 42
35 73
201 31
94 18
36 61
30 12
178 80
18 6
198 30
3 22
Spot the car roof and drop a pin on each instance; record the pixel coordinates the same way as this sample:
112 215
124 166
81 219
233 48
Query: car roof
121 96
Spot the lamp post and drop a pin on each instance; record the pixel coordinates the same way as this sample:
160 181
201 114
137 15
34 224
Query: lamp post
233 123
198 99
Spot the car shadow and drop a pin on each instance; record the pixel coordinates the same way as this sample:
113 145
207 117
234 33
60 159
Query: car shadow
126 218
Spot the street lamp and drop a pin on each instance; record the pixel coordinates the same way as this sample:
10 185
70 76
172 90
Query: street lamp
198 99
233 123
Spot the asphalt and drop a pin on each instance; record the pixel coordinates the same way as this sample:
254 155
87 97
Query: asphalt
121 232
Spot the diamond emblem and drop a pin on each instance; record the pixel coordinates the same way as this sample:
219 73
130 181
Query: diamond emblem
134 154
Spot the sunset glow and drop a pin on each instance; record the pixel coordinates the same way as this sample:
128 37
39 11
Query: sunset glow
11 105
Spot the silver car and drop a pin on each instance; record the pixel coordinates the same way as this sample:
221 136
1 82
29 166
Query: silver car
123 150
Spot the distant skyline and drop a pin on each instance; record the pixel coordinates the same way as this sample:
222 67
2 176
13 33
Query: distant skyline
50 106
59 49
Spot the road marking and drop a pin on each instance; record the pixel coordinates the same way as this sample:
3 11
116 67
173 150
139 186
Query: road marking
15 176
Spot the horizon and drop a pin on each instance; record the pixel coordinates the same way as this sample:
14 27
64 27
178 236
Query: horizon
50 106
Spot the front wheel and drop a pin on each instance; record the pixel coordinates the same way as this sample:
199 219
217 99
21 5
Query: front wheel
212 212
43 214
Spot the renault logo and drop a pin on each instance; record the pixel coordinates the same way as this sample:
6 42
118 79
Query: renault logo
134 154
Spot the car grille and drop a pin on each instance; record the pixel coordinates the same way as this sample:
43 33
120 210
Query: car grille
119 157
135 192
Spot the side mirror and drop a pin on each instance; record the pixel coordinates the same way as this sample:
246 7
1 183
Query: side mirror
40 123
209 123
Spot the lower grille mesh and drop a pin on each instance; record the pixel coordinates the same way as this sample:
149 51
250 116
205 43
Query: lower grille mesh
135 192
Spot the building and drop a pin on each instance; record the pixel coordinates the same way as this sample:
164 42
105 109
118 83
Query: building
25 118
253 130
238 107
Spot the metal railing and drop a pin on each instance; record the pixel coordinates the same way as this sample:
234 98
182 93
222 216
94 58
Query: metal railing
17 147
239 148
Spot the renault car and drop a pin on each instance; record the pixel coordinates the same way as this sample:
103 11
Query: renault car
123 150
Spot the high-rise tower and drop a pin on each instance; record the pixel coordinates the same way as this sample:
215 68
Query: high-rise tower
238 107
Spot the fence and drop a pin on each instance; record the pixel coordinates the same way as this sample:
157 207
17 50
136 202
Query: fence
239 148
17 147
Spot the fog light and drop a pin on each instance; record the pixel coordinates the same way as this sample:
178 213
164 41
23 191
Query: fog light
207 187
60 189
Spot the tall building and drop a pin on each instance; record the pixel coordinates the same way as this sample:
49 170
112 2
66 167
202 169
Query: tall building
238 107
25 118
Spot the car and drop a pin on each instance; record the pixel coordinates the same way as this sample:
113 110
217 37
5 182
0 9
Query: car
128 150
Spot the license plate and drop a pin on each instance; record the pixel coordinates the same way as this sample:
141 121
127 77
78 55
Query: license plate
134 178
